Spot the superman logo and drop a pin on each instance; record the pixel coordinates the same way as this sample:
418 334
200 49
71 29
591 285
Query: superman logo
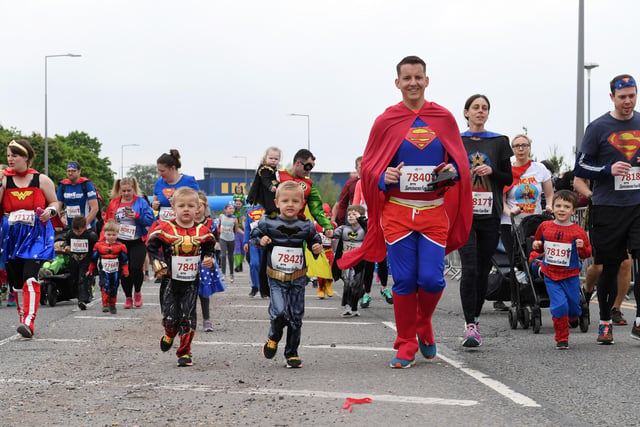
256 214
627 142
21 195
420 136
168 192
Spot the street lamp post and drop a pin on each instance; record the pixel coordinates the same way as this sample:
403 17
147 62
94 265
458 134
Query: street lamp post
589 66
122 157
46 135
245 169
308 127
580 79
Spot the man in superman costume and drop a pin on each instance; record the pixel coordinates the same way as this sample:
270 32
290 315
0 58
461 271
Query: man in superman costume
410 144
610 157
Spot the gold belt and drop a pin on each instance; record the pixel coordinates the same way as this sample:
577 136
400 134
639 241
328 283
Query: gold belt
419 205
285 277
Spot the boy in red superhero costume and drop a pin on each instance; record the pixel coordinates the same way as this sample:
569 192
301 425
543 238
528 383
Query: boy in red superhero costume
410 145
178 246
114 261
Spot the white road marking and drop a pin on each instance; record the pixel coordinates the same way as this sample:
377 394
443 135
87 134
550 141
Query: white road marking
266 306
495 385
18 336
9 339
317 322
374 397
108 317
263 391
308 346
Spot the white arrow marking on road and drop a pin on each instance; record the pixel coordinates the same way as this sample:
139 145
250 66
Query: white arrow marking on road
495 385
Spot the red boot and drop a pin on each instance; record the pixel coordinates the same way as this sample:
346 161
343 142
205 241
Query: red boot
128 302
405 308
30 303
426 307
105 301
561 326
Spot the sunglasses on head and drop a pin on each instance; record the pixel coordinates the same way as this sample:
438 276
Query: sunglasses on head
307 166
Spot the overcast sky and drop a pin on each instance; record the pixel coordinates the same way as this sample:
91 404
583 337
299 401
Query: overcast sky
217 79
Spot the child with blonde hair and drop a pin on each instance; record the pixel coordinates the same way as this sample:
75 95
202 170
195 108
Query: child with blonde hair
265 182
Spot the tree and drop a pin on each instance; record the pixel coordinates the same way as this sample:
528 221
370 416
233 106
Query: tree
557 159
76 146
329 190
146 176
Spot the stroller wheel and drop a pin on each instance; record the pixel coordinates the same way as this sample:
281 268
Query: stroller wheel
526 317
52 294
536 322
585 319
513 318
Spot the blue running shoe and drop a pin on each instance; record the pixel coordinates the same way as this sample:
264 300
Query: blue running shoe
402 363
428 351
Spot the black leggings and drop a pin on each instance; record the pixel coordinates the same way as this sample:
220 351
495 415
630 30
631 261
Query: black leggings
475 256
383 273
19 270
136 251
607 289
204 304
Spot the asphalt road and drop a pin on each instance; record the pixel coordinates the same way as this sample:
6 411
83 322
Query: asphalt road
90 368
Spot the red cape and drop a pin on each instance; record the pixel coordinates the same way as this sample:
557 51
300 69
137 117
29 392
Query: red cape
388 132
80 180
11 172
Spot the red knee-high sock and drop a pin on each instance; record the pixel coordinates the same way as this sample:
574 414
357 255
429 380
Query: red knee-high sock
111 301
426 306
561 326
405 309
185 343
30 301
106 299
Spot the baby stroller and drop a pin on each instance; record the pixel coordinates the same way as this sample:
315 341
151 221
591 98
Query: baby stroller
55 283
499 282
529 293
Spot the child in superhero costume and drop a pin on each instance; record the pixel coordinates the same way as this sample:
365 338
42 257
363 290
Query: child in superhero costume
325 286
177 247
265 182
563 243
351 236
254 251
284 237
112 256
238 248
79 243
210 281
